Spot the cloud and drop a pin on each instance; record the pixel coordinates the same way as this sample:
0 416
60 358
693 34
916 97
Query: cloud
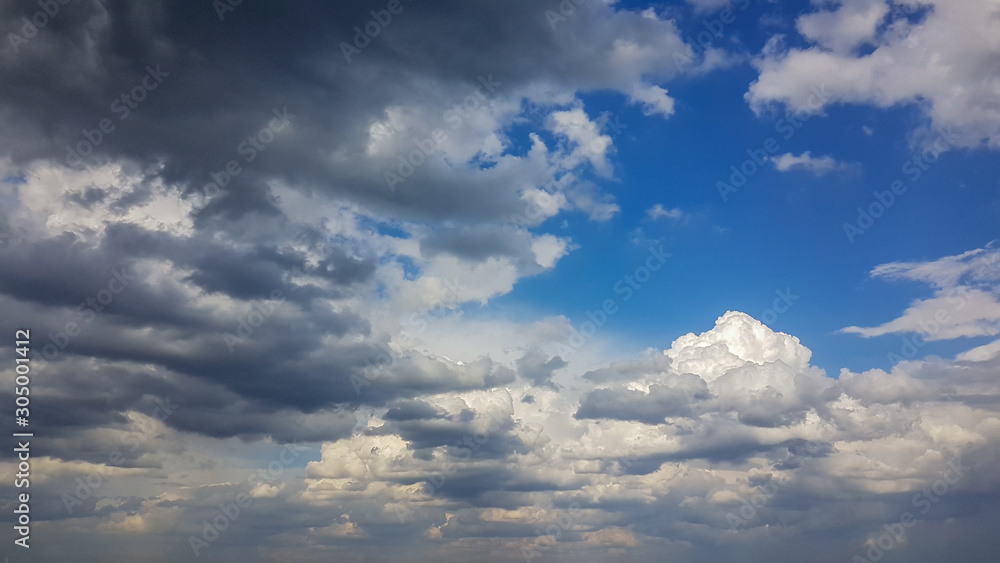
955 91
982 353
736 340
843 30
479 243
653 100
817 165
589 143
673 396
731 414
339 144
706 6
658 211
966 299
612 537
716 418
319 325
537 367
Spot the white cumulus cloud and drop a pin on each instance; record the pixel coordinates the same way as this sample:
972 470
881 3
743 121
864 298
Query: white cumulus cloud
941 56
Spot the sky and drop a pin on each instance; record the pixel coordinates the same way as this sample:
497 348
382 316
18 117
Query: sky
522 280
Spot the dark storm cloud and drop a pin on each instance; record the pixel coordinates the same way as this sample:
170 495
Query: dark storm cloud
629 369
679 397
537 367
416 374
480 482
475 243
476 483
285 364
243 274
221 111
88 197
411 410
81 395
55 271
459 434
64 271
288 362
216 84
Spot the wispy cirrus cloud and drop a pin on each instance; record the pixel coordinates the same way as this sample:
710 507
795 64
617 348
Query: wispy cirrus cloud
966 299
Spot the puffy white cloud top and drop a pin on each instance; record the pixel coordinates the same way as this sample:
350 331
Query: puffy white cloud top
708 447
736 340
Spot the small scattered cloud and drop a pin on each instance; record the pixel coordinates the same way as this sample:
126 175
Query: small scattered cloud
819 165
658 212
708 6
653 99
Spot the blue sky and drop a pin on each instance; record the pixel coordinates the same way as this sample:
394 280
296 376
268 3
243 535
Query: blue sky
518 280
781 229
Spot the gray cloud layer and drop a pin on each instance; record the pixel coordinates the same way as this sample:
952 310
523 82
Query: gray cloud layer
286 313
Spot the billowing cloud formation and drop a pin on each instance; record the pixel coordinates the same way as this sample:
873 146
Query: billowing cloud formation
247 244
426 139
274 242
701 450
698 450
877 52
